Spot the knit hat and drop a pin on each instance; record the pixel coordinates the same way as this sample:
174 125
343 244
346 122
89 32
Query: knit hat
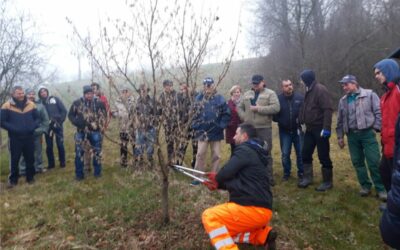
29 90
87 89
167 83
256 79
308 77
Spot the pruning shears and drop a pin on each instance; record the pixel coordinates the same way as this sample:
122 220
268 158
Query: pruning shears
189 172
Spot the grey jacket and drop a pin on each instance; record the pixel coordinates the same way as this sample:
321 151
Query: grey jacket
368 112
124 112
269 102
44 120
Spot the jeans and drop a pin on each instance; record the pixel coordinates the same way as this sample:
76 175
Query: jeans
312 139
286 140
95 140
144 142
56 130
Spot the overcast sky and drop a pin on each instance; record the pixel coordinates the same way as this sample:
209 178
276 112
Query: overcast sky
50 16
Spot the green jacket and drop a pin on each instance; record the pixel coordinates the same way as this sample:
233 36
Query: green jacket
44 120
268 100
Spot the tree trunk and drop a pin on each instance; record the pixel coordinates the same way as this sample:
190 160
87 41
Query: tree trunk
165 185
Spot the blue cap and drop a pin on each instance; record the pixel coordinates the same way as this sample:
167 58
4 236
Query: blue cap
208 81
348 78
256 79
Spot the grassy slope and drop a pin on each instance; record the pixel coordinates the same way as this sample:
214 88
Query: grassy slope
122 209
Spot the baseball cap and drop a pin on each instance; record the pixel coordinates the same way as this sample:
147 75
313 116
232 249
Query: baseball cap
208 81
348 78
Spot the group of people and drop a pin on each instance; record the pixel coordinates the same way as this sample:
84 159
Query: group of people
245 121
305 122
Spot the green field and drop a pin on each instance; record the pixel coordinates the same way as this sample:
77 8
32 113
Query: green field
122 209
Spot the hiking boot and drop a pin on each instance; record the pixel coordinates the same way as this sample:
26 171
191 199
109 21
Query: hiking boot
270 243
285 177
382 196
364 192
30 182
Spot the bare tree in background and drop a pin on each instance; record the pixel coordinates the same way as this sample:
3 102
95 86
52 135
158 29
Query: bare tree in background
21 53
332 37
155 36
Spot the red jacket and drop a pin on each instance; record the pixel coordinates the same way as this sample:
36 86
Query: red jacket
233 123
104 100
390 107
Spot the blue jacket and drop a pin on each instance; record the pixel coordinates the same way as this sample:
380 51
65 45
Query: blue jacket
390 221
287 118
212 116
19 119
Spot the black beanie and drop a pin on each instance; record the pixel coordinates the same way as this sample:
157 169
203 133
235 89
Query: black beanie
87 89
308 77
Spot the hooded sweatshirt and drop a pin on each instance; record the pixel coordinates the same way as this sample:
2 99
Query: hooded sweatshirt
54 107
390 103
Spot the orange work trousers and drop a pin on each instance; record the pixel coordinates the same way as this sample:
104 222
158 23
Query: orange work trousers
230 223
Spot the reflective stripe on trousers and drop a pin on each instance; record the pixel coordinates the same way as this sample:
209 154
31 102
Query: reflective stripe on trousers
245 224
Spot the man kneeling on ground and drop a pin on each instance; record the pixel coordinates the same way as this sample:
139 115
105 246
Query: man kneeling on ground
245 218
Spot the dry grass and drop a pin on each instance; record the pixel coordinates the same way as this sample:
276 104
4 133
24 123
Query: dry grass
122 209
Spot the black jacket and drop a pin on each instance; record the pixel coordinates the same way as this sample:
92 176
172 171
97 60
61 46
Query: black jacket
55 109
317 109
288 116
86 115
245 176
390 221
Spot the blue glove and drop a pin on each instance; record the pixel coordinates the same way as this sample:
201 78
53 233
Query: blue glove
325 133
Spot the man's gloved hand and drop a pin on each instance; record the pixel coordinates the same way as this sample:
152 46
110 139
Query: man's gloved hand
325 133
340 142
211 184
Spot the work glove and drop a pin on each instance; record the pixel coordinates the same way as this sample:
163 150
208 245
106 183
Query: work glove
211 183
340 142
325 133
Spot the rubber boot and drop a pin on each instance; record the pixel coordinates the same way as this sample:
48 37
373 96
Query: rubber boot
326 180
307 176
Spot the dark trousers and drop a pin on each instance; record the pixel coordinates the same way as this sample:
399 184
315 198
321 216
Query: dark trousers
233 145
312 139
124 138
57 131
386 170
21 146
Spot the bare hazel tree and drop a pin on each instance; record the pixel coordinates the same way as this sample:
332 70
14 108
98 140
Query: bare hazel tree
21 53
154 36
22 59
